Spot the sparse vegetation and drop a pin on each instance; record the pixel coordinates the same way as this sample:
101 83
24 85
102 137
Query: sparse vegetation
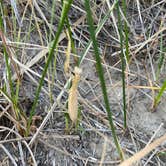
77 82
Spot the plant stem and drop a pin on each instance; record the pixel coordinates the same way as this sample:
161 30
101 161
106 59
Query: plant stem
101 76
122 65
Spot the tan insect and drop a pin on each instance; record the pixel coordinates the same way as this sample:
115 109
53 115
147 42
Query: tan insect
73 96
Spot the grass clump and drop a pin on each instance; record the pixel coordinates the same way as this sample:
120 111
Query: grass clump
65 9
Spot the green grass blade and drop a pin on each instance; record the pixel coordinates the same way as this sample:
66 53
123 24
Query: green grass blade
9 74
101 76
126 31
52 19
120 29
1 16
65 9
158 97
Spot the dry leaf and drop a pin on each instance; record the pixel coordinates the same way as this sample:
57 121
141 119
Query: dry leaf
68 51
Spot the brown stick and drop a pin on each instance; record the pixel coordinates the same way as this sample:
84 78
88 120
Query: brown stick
144 151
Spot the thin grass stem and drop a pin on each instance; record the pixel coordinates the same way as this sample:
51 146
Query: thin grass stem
122 65
126 31
101 76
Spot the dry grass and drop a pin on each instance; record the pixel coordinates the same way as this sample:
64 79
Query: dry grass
28 45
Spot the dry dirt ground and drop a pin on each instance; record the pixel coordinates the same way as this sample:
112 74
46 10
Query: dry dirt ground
92 142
